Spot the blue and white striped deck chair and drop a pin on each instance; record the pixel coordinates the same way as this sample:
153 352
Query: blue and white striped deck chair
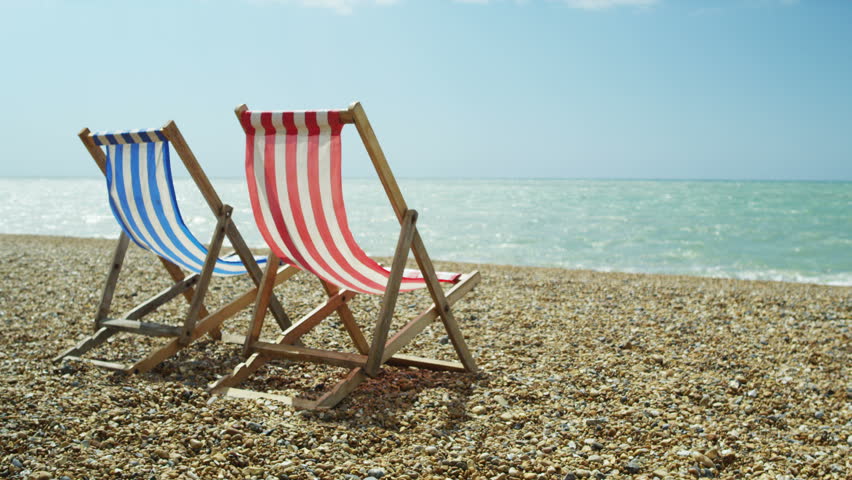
142 198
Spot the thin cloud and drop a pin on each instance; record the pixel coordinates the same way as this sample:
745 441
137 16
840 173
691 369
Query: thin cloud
743 4
605 4
342 7
347 7
582 4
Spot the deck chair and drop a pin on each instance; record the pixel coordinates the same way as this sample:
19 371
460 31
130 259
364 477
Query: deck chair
293 167
142 198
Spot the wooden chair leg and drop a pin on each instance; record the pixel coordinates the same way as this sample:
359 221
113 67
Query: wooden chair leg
380 333
112 279
441 304
88 343
206 274
264 293
240 373
356 377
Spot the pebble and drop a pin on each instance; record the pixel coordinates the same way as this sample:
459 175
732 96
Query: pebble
703 460
593 443
41 475
444 340
596 421
376 472
633 467
559 386
455 463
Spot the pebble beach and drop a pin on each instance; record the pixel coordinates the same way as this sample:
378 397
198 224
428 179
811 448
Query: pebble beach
582 375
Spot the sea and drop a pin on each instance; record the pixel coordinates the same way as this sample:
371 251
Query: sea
759 230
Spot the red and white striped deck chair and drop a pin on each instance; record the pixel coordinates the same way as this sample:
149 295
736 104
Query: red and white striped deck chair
293 168
141 195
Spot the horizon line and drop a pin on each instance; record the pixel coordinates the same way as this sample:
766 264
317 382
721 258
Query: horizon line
607 179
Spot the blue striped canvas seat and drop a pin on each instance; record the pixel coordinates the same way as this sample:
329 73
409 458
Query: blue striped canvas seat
142 199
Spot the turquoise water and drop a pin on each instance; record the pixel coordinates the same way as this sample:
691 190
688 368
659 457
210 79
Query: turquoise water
790 231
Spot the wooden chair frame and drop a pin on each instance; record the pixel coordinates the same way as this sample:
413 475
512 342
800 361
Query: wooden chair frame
382 350
198 320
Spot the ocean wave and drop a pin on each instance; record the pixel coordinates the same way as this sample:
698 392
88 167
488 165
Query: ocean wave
790 232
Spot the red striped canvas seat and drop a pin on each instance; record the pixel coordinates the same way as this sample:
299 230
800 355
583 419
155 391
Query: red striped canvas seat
293 168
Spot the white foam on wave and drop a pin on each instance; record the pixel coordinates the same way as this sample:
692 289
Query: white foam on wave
683 228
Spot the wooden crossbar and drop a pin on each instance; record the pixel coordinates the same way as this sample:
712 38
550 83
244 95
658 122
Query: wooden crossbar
309 321
349 360
120 367
426 363
291 352
143 328
161 298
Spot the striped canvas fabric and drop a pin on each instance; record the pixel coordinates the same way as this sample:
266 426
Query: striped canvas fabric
142 199
293 171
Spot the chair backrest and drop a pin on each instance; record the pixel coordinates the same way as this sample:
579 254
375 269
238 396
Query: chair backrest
142 199
293 168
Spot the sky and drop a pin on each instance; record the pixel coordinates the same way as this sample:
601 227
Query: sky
615 89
